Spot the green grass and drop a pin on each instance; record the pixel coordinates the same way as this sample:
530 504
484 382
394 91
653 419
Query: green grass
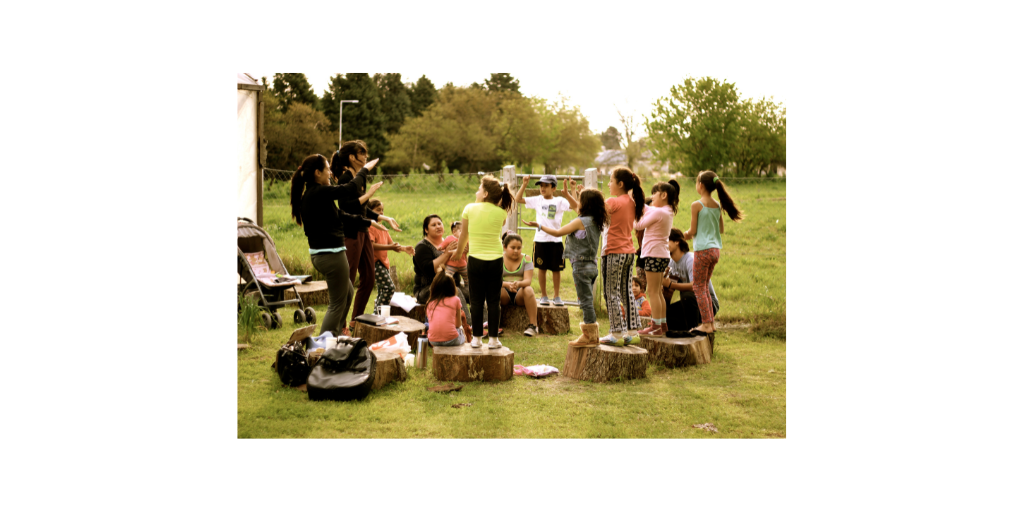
742 391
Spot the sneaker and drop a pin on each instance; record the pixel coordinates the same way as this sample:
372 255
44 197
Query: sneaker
558 302
475 343
494 344
627 339
610 340
530 330
544 301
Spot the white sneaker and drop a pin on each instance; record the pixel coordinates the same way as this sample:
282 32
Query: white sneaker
494 344
475 343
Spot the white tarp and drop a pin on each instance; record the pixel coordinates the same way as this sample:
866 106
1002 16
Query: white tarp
248 161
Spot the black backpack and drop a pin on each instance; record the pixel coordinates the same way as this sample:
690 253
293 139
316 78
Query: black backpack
291 364
343 373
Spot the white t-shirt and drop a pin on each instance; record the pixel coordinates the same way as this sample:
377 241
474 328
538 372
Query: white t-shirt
549 213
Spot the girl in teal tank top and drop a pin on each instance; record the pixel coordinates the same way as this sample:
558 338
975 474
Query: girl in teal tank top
706 228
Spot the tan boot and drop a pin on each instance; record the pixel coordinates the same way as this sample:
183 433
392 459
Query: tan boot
588 338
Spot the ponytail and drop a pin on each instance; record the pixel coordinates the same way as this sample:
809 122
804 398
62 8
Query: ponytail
497 193
506 198
304 175
712 182
671 190
631 182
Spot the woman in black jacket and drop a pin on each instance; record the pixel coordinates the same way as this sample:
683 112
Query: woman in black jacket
313 207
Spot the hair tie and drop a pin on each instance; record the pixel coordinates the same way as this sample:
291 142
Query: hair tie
715 180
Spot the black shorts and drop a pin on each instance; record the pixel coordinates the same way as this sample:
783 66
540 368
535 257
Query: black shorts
655 264
548 256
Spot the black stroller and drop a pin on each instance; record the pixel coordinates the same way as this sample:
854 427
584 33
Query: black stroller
260 267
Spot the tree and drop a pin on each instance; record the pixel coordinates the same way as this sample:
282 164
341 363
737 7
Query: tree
761 143
610 138
518 128
421 95
295 134
363 120
633 148
567 140
395 102
502 82
294 88
697 125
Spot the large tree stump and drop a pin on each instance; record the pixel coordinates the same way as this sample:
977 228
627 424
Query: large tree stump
677 352
374 333
550 319
464 363
313 293
418 313
390 367
604 363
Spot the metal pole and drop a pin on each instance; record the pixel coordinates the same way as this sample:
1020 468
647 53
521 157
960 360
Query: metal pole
341 105
508 176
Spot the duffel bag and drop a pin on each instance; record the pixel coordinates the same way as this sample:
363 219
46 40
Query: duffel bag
343 373
291 364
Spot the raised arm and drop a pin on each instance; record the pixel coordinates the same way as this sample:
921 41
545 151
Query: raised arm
519 194
567 192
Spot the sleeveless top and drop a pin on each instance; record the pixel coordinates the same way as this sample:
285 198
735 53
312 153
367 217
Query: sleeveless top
708 235
584 244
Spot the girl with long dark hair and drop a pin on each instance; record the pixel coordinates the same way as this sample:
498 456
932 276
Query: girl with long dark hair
624 209
706 228
313 207
481 225
656 223
444 313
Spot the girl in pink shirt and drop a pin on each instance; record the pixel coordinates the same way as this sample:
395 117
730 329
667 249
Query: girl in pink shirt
444 314
656 223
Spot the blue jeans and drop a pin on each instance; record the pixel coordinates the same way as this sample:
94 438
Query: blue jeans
451 343
584 274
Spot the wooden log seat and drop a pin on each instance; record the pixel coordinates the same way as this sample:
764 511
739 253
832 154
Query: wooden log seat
550 319
418 313
678 352
374 333
466 364
390 368
604 363
313 293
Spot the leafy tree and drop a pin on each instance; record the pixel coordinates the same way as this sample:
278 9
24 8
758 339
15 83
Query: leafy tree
295 134
518 128
697 125
567 140
364 120
610 138
633 147
502 82
421 95
761 143
294 88
395 102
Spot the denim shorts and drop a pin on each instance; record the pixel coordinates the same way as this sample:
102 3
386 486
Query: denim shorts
451 343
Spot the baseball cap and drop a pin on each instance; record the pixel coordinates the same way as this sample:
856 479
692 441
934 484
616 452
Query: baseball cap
548 178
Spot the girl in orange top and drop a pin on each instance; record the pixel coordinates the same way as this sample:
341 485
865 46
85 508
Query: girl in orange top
382 243
617 258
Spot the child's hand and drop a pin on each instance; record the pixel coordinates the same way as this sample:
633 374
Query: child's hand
408 249
531 223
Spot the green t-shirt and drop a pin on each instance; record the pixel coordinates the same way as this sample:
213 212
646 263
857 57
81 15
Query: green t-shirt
485 221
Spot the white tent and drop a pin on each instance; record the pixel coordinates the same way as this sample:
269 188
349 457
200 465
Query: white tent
252 153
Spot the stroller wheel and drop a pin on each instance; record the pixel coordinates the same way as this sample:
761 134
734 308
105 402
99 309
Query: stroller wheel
299 316
278 321
310 315
268 321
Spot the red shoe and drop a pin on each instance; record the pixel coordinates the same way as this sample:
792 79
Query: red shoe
649 331
660 330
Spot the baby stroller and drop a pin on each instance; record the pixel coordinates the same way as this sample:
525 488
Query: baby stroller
261 269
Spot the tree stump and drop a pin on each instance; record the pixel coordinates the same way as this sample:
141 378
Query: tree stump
550 319
374 333
390 367
677 352
313 293
604 363
418 313
464 363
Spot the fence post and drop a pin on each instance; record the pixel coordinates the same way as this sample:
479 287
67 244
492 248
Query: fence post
590 178
508 176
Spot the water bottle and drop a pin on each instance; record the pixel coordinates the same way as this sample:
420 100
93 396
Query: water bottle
421 352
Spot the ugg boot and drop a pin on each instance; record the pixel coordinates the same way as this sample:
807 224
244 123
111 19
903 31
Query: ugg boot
588 338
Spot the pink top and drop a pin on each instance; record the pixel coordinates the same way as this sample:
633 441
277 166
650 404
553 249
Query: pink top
452 239
621 215
443 317
379 236
656 223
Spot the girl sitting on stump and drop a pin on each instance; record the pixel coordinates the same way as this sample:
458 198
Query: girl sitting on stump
445 317
581 247
517 287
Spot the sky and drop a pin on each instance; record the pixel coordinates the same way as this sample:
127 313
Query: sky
596 97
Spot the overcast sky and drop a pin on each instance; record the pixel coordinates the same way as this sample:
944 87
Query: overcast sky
597 96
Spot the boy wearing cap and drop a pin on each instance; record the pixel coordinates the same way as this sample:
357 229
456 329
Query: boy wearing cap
547 249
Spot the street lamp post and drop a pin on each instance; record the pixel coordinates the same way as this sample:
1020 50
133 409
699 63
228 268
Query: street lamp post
340 108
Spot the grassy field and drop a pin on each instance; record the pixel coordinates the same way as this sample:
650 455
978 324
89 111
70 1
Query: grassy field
743 390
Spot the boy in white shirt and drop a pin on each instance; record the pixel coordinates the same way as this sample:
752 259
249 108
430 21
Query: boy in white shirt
547 249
